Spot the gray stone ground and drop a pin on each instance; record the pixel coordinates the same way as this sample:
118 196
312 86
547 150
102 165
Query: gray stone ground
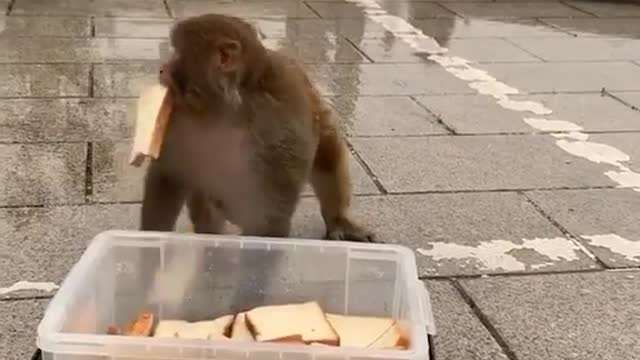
529 248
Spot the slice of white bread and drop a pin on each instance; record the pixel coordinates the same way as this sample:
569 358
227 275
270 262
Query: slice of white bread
304 322
368 332
168 328
207 330
239 330
153 112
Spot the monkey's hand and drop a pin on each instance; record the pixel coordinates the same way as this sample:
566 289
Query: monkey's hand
346 229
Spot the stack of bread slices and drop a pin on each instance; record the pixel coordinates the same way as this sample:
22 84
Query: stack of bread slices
302 323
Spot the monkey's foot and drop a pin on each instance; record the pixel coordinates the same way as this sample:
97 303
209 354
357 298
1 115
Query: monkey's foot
346 229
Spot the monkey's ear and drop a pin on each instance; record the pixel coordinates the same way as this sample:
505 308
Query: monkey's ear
229 55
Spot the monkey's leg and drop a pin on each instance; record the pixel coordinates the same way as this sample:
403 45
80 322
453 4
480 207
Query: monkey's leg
205 216
163 199
267 217
331 182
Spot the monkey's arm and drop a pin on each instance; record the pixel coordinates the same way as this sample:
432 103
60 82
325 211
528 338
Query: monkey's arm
163 199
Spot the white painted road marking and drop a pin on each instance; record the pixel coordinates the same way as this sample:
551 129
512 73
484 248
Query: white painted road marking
28 285
576 143
618 245
501 255
498 255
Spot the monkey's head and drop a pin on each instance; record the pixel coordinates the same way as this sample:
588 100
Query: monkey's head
214 56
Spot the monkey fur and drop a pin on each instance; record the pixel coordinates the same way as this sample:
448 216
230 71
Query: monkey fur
248 130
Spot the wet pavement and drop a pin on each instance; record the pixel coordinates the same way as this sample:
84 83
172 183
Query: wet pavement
497 139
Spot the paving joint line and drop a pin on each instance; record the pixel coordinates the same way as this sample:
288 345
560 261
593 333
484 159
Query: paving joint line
526 51
92 26
9 8
312 10
167 8
60 205
458 15
517 274
556 27
567 4
356 195
374 178
91 80
484 319
88 174
358 50
599 62
25 298
606 92
42 142
573 238
449 128
84 16
472 191
490 134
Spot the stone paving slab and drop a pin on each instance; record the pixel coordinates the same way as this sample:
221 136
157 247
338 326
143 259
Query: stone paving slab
42 244
610 215
477 28
480 50
413 10
374 79
520 10
593 112
323 50
314 28
481 114
18 327
83 50
45 26
114 180
476 163
384 116
587 49
36 174
64 80
262 9
608 9
567 77
568 316
607 28
460 234
460 335
125 79
138 8
135 28
74 120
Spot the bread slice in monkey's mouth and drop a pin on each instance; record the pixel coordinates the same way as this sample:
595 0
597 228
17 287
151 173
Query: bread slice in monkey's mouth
152 117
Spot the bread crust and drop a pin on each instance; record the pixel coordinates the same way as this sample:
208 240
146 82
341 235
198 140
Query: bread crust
149 137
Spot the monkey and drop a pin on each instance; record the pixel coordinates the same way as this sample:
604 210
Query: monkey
247 131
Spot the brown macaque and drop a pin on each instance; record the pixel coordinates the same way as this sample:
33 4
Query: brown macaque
248 130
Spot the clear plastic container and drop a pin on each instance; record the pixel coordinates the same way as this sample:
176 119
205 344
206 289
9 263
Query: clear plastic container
199 277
